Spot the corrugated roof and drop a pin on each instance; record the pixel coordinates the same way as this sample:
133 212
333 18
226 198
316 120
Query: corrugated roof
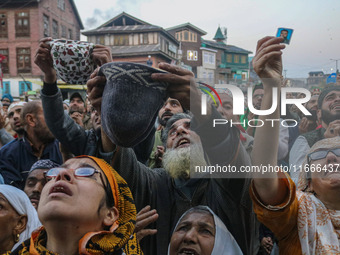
130 50
230 48
139 26
189 25
316 72
122 29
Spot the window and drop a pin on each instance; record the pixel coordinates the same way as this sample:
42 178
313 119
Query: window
63 31
209 58
24 87
6 87
3 25
55 29
192 55
22 24
144 39
236 59
167 47
120 40
70 34
61 4
4 63
186 35
229 58
46 26
24 60
243 59
195 55
101 40
179 36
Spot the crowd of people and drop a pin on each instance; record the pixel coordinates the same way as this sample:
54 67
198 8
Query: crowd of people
70 186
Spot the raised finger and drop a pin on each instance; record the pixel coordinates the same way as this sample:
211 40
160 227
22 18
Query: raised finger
94 73
140 224
334 123
175 69
43 51
267 42
145 209
269 49
145 232
98 81
171 78
260 63
262 41
144 215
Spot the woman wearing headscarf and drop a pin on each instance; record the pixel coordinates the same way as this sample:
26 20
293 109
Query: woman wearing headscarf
18 218
201 231
85 208
306 220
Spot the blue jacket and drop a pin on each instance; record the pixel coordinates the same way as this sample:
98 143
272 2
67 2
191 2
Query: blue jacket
16 159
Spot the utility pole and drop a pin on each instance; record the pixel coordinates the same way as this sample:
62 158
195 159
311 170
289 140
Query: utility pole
285 73
336 66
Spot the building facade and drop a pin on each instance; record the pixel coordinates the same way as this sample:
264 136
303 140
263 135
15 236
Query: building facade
211 61
190 54
317 78
134 40
232 65
22 24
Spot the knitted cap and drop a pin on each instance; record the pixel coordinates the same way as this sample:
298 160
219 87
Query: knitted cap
131 101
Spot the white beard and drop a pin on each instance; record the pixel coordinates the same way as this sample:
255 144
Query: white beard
178 162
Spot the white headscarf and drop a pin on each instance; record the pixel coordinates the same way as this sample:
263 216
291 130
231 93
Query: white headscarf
22 205
224 243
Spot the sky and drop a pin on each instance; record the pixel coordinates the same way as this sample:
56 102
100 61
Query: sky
316 24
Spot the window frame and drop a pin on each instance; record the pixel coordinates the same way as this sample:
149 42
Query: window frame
24 88
46 25
22 30
121 40
55 29
27 66
5 62
6 87
4 27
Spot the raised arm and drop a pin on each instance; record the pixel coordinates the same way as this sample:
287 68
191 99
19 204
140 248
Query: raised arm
268 65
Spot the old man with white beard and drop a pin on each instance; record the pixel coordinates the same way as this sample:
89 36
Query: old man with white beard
172 190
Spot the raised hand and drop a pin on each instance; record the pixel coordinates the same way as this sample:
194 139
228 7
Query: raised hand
267 62
101 54
44 61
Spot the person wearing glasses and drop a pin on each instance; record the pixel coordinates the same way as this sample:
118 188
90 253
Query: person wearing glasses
329 113
85 208
306 219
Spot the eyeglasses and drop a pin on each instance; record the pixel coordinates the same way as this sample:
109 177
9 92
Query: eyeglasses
316 155
79 172
82 172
